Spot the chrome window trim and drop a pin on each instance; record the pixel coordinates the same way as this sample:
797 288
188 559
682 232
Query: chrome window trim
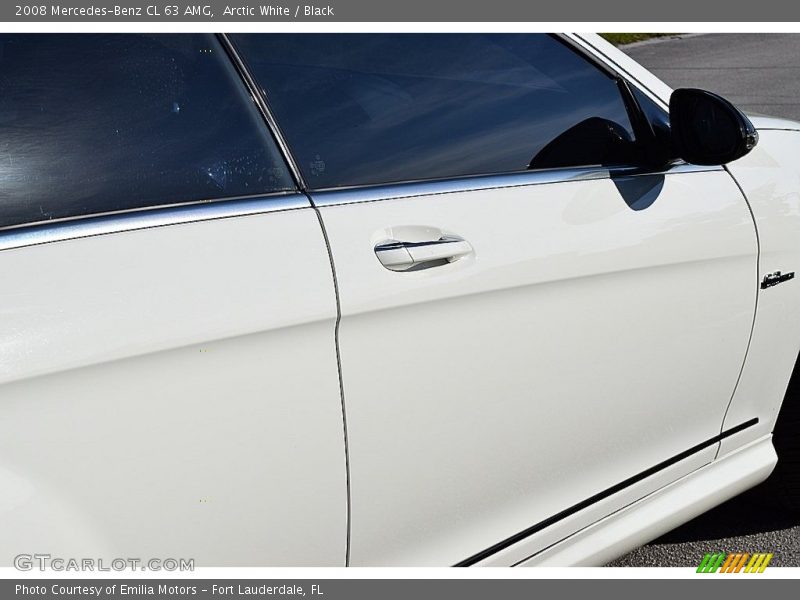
591 52
260 101
473 183
147 218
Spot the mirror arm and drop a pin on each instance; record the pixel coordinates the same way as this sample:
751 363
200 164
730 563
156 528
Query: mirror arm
643 131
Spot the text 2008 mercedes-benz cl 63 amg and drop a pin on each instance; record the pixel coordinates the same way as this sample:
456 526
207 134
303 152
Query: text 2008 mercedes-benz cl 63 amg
384 299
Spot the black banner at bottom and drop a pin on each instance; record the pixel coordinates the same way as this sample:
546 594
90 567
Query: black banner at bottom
733 587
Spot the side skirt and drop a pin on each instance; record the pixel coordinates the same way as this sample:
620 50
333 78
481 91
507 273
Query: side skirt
599 497
662 511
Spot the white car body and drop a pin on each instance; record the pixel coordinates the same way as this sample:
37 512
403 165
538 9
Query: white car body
247 385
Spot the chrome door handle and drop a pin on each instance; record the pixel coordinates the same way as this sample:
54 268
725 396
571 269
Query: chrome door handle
403 256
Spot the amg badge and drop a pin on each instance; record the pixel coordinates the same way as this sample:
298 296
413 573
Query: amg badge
775 278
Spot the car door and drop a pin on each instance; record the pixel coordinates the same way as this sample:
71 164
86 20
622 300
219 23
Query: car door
168 378
530 337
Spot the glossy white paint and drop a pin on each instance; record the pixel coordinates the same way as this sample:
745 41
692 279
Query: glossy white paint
568 352
770 179
763 123
770 176
173 392
658 513
551 537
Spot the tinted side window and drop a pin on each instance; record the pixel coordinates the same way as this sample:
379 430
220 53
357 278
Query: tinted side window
372 108
98 123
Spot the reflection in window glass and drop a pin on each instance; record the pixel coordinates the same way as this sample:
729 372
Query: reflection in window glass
97 123
373 108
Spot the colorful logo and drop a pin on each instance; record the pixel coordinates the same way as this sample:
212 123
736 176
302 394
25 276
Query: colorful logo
734 563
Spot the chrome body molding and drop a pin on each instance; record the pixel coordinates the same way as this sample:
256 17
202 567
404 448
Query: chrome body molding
66 229
351 195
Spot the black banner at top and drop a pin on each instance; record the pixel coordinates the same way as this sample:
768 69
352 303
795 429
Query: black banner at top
405 11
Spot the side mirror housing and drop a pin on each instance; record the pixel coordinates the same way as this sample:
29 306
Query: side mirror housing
707 129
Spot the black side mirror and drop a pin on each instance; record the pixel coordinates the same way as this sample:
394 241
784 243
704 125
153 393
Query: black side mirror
707 129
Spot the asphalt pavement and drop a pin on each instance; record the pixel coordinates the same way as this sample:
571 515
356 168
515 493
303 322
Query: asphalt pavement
745 524
759 73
